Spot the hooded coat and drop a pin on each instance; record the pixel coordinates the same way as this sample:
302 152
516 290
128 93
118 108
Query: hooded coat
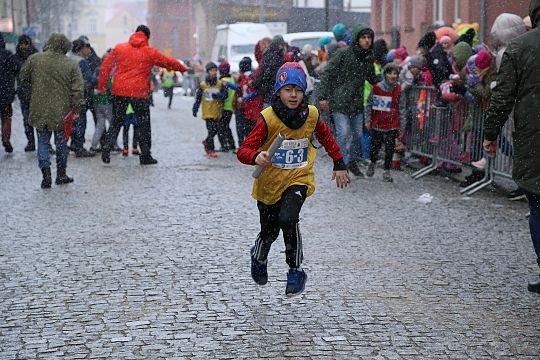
518 88
8 69
272 59
461 53
133 62
506 27
342 82
57 85
21 55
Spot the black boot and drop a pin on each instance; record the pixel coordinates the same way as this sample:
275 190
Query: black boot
8 147
30 147
147 160
62 178
47 178
353 167
534 285
105 155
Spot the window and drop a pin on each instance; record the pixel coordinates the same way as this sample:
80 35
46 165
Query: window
438 12
396 12
74 25
383 15
92 25
413 12
457 11
175 40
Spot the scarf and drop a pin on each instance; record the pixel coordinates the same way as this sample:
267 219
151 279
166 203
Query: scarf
292 118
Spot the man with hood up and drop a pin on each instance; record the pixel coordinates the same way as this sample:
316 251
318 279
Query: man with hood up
132 62
342 92
436 58
8 69
272 59
57 89
518 89
24 49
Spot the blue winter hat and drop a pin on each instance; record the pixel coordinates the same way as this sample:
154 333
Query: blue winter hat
290 73
325 40
339 30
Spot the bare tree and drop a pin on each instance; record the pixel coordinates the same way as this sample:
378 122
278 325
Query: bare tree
55 16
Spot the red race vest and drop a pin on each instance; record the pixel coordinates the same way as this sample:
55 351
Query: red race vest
385 108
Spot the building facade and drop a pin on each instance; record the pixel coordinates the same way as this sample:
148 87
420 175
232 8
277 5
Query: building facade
122 20
13 19
184 28
403 22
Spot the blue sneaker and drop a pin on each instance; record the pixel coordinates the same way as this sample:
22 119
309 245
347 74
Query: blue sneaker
296 282
258 269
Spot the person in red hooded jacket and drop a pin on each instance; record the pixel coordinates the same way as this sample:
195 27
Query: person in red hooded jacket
130 64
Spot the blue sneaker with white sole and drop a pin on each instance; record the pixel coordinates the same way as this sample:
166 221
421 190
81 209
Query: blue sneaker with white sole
296 282
259 271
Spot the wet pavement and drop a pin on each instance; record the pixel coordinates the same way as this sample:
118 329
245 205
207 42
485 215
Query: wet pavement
151 262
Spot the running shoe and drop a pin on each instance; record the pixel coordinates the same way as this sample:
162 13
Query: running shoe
387 177
209 151
259 271
371 170
296 282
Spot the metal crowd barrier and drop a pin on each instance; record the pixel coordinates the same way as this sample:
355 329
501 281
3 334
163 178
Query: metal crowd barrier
452 136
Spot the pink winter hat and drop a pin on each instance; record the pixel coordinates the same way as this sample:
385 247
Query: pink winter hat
445 39
401 53
483 59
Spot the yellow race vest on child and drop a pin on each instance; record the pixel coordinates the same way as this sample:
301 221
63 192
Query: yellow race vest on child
292 163
211 108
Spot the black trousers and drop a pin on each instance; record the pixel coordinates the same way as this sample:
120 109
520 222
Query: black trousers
283 215
125 136
143 131
225 135
168 92
388 138
212 125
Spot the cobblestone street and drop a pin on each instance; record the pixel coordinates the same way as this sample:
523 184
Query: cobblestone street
152 262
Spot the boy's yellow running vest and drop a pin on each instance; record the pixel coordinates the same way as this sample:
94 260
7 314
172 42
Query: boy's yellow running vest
168 78
292 164
211 108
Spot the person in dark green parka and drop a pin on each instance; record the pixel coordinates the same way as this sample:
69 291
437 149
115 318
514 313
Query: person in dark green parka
342 92
57 89
518 89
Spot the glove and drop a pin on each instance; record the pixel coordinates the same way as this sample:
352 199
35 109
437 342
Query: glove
215 96
473 80
194 113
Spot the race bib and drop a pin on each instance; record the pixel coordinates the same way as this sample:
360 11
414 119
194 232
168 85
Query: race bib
382 103
208 94
291 155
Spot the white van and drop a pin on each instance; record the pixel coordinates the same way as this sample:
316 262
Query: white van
300 39
234 41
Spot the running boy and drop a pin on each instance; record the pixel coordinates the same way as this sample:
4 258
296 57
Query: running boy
214 92
288 178
382 114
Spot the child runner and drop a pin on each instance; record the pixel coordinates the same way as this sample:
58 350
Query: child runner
214 92
225 135
382 114
168 81
288 177
250 104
